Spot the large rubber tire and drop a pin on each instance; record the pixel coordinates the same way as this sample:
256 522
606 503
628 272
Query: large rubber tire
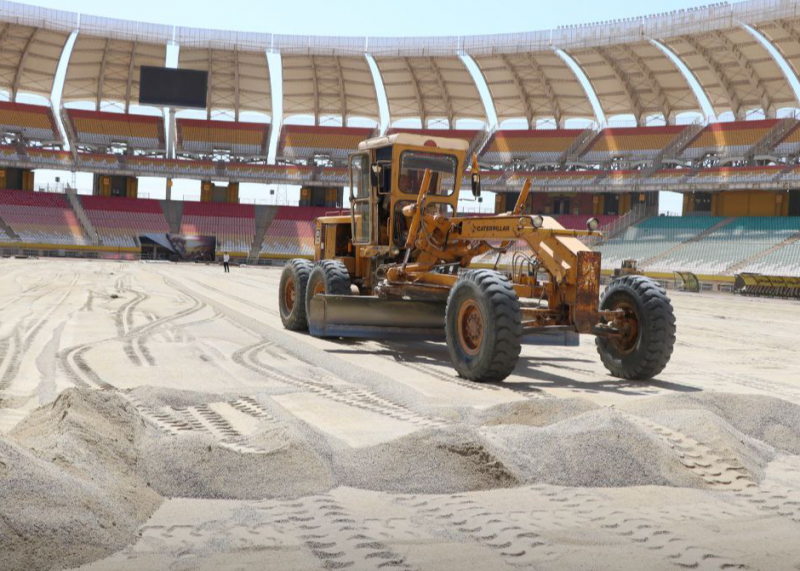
329 277
487 350
292 294
648 351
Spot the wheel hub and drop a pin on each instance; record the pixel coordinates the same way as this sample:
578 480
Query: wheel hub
470 327
628 326
319 289
288 294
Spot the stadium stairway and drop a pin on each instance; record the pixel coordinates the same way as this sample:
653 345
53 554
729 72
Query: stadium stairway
695 238
88 228
173 212
746 262
264 217
771 139
579 146
676 147
8 231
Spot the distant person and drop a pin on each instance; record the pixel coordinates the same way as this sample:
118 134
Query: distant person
226 262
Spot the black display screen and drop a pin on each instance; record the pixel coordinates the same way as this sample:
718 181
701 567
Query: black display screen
167 87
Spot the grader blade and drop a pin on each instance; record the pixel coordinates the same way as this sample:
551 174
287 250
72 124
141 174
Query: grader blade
369 317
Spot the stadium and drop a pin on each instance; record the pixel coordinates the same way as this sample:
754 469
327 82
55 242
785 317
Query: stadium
392 371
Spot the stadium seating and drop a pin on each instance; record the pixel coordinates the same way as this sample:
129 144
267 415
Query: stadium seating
234 225
292 231
793 176
28 122
246 140
653 237
668 177
736 175
790 144
783 261
41 218
555 178
623 179
8 153
728 139
99 129
636 143
119 221
728 245
301 142
44 157
542 146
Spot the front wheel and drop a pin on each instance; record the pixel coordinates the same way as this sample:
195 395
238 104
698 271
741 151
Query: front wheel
647 338
329 277
292 294
483 326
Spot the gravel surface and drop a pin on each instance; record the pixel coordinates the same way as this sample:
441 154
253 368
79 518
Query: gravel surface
159 417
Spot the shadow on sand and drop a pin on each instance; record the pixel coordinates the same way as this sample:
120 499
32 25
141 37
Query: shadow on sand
530 375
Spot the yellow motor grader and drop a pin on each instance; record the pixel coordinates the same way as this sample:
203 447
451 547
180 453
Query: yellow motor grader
399 266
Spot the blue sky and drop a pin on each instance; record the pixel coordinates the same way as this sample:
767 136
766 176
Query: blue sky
353 18
369 18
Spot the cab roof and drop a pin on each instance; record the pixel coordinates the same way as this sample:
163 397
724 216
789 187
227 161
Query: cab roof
414 141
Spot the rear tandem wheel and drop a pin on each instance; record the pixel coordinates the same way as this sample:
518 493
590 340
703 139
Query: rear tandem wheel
329 277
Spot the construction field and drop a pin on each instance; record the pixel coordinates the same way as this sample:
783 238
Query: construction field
158 416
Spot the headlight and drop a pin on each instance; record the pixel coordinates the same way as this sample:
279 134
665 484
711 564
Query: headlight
538 221
592 224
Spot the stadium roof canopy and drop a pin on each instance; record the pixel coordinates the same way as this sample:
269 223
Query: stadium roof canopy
107 56
31 42
236 62
629 64
326 77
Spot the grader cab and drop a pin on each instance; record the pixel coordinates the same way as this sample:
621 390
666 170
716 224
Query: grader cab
399 266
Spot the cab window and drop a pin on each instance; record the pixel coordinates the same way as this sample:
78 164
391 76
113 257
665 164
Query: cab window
360 198
413 165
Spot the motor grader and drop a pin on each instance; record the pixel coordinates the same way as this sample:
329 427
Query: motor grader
399 266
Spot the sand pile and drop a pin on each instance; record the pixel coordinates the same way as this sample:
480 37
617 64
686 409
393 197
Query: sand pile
596 449
70 481
541 412
434 461
198 466
763 418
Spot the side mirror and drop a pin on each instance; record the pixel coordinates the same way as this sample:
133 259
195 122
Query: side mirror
476 184
375 175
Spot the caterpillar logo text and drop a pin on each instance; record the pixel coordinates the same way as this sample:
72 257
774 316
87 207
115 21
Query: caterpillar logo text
492 228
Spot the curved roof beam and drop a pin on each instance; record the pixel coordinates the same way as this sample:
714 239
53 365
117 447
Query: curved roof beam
21 67
210 94
691 79
448 104
777 56
102 73
342 93
316 89
733 99
521 91
555 106
580 75
630 90
755 80
129 83
420 102
236 101
645 71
